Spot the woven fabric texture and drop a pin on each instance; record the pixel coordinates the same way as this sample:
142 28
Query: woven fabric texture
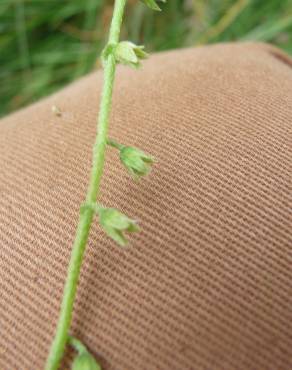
207 284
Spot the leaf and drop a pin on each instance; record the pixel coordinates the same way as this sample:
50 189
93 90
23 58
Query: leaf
152 4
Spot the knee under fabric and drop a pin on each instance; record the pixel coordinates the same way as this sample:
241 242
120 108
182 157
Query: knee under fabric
207 283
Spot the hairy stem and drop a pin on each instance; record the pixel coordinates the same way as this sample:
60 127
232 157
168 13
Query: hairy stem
86 217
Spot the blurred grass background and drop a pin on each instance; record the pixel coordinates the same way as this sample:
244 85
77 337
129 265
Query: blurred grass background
44 44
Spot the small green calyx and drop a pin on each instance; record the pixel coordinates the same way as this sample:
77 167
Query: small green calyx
85 361
115 223
112 221
152 4
137 162
130 54
125 52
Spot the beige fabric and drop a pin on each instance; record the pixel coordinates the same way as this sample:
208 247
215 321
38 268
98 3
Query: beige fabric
207 284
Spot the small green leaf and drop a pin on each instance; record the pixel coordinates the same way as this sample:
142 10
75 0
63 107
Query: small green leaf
152 4
115 223
130 54
137 162
85 361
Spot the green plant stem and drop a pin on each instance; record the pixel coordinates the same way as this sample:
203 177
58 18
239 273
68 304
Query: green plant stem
114 144
76 344
86 217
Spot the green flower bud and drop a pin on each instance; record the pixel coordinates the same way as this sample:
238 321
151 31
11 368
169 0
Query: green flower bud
115 223
137 162
130 54
85 361
152 4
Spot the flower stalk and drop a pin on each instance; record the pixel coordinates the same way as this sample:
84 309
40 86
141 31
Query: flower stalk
86 217
114 223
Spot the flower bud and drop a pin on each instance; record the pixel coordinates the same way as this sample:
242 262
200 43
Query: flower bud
115 223
137 162
85 361
152 4
130 54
